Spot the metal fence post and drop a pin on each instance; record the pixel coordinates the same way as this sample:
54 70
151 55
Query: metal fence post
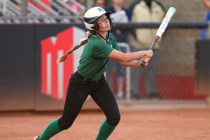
128 73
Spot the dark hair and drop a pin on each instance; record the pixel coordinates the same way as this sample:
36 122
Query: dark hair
83 41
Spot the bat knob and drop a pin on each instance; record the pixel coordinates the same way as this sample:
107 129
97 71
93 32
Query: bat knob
143 64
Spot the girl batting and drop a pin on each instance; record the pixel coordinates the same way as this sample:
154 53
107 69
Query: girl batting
89 79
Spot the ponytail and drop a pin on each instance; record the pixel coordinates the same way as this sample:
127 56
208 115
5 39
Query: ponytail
83 41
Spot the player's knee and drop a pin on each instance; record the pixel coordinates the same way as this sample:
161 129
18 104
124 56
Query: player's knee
114 120
67 126
64 124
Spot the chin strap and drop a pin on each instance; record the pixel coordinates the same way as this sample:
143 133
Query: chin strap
102 36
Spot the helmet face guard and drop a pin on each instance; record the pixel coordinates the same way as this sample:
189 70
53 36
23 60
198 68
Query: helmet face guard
91 16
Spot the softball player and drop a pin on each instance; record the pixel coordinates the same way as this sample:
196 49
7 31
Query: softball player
89 79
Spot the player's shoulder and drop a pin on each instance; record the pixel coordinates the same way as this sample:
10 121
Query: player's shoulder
93 41
111 36
93 38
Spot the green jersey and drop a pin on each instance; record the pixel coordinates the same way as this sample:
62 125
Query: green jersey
95 56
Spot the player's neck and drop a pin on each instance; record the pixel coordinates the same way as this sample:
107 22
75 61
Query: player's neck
102 35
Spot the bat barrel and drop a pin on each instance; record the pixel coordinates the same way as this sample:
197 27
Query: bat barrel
161 29
165 21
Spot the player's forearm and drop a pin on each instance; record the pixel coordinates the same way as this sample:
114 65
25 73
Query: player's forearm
134 63
129 57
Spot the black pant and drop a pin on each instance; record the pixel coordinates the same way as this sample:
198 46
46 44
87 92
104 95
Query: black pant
77 92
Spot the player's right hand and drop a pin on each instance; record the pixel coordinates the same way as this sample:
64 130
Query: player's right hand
144 61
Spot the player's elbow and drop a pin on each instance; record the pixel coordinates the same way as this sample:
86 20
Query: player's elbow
119 56
125 58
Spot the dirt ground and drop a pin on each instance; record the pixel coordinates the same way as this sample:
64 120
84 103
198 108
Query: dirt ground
176 124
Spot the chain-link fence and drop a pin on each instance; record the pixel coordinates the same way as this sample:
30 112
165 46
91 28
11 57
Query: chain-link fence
170 73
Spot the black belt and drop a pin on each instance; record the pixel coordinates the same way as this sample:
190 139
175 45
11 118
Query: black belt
87 79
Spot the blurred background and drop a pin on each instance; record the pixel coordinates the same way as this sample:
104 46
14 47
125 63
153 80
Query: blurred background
34 33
